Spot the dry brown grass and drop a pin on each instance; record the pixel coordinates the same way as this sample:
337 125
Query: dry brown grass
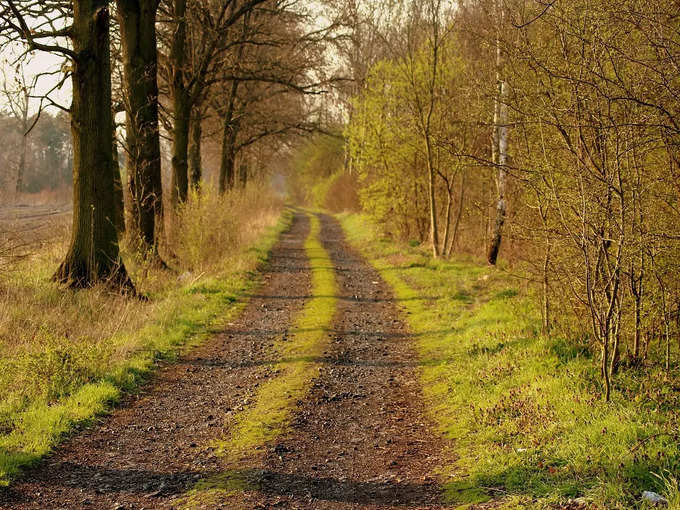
208 225
63 195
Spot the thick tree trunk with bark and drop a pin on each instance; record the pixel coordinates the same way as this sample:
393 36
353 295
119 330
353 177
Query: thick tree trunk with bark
93 255
228 162
181 106
140 66
195 162
180 148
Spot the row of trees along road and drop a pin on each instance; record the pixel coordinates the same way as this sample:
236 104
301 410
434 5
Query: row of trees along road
550 126
175 65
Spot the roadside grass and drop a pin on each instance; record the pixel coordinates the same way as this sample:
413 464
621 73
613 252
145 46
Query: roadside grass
298 362
524 412
66 357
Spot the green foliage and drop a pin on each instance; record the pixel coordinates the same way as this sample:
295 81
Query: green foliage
521 411
314 167
389 129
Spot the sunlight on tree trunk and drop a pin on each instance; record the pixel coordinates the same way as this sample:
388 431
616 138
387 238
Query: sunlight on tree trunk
500 150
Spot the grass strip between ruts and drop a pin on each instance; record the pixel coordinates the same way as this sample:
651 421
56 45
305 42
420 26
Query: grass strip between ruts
298 363
203 307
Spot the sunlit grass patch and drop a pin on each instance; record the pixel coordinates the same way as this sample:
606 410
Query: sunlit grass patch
524 412
218 488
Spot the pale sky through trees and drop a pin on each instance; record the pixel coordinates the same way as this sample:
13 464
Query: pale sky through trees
43 62
35 63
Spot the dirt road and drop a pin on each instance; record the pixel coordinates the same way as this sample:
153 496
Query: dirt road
359 439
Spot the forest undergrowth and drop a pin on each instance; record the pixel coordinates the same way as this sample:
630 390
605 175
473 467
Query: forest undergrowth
524 411
66 356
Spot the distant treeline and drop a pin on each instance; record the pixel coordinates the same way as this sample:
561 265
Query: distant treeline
47 161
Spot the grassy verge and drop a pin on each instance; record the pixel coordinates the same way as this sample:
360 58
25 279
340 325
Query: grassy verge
298 363
523 412
64 366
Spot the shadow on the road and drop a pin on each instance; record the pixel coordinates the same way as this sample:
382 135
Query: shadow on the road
354 299
157 486
378 335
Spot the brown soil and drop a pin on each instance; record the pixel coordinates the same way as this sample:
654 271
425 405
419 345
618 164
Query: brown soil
359 440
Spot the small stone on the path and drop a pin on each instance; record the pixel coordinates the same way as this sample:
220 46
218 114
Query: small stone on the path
654 499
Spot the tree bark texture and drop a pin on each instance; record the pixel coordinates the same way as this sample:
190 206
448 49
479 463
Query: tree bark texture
434 228
195 162
500 150
93 255
229 133
140 67
181 106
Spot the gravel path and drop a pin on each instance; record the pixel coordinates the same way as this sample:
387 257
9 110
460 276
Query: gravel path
360 439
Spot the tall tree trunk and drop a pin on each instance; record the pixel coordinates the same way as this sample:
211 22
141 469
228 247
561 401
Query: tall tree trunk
229 133
181 106
459 215
500 150
93 255
180 149
604 367
195 163
434 229
546 289
21 171
447 229
228 164
243 173
140 66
